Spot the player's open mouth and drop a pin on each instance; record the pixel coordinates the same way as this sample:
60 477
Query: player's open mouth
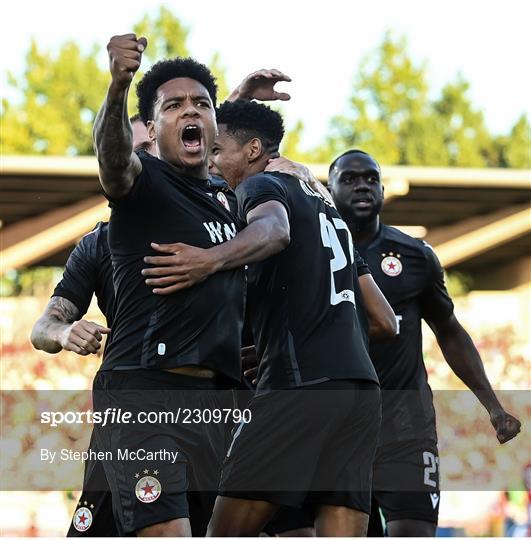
362 203
191 137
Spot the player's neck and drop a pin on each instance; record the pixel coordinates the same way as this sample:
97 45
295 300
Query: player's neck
257 166
200 172
364 232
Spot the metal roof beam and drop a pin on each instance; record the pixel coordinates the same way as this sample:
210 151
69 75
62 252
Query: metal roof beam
33 239
469 238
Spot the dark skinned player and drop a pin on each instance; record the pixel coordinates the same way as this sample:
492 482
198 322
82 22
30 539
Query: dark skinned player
409 274
88 271
249 136
178 351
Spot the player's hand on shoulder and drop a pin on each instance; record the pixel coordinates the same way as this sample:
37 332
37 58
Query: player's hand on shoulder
125 56
260 85
284 165
506 425
302 173
83 337
180 267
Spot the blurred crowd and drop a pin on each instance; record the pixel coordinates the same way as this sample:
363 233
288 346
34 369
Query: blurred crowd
505 353
505 356
471 459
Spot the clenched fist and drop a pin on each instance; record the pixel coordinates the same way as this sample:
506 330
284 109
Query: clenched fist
82 337
506 425
125 55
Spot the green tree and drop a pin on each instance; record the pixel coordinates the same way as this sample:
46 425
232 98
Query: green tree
392 116
60 94
458 283
59 97
218 70
166 37
389 110
466 138
516 152
165 33
290 146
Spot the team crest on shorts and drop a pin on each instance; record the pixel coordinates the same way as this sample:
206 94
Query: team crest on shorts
222 198
82 519
391 265
148 488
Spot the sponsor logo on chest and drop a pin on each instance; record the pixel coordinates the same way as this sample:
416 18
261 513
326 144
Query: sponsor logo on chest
220 232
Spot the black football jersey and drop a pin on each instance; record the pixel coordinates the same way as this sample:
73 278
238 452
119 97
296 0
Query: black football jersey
411 278
88 271
218 188
301 301
200 325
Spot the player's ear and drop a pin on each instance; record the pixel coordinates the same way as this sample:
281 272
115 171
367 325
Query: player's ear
151 130
254 149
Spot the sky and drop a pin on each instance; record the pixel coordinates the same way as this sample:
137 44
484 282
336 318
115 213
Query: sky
318 44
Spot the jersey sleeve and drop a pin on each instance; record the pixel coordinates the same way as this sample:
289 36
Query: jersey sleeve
258 190
140 185
79 278
362 267
435 302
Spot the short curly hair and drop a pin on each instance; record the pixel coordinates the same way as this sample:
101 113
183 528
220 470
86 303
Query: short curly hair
246 120
166 70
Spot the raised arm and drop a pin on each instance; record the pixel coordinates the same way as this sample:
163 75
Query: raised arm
113 134
58 328
260 85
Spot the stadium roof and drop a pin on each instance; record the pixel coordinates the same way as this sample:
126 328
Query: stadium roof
473 217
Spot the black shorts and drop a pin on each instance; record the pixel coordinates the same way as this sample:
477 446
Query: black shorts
311 445
290 519
406 480
157 469
93 515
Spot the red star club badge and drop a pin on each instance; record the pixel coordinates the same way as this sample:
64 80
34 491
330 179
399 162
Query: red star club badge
82 519
222 198
391 266
148 489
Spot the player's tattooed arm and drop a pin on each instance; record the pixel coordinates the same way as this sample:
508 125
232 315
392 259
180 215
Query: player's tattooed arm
58 328
382 319
112 133
260 85
267 233
464 360
302 173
